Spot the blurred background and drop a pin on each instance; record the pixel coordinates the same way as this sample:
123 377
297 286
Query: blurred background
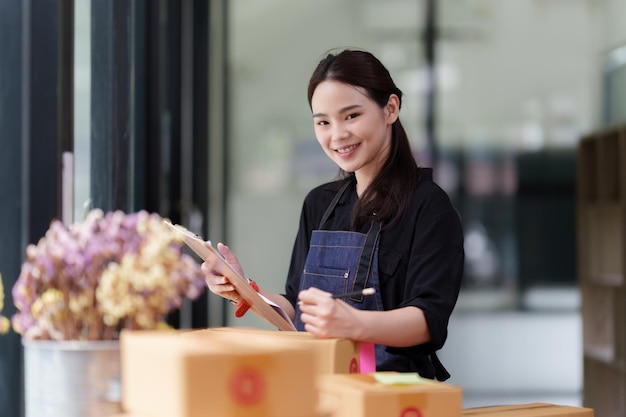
197 110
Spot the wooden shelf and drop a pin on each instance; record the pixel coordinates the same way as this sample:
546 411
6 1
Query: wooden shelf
587 169
603 250
601 233
604 388
604 354
597 316
608 166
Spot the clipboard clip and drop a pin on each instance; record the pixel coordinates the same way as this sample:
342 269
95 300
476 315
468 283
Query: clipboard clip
243 306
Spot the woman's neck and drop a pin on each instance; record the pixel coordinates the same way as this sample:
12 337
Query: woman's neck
362 182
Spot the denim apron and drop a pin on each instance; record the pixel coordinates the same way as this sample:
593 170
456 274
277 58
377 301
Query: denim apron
340 261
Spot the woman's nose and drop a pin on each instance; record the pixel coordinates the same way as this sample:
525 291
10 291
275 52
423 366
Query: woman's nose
339 132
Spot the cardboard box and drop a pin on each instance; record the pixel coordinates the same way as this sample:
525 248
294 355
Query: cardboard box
362 395
165 374
316 414
127 415
332 356
144 415
529 410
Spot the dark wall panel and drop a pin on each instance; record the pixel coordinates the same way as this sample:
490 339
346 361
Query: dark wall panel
10 196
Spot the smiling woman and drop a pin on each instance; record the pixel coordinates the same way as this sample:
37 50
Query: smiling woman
383 224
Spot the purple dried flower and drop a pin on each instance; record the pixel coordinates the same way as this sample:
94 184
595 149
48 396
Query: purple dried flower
110 271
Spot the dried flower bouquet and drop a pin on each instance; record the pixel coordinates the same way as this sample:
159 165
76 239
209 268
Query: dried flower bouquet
92 279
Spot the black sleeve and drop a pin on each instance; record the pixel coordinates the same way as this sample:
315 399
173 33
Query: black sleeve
434 269
437 264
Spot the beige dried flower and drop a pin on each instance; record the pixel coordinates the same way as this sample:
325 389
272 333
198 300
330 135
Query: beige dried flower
5 324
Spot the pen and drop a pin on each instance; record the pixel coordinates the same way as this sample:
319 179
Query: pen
365 291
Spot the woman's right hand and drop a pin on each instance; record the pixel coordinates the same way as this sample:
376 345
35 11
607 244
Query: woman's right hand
219 284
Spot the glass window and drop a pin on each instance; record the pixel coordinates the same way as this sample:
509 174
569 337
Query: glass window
82 107
516 88
513 96
274 156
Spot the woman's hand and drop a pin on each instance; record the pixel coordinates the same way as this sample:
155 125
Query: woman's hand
327 317
219 284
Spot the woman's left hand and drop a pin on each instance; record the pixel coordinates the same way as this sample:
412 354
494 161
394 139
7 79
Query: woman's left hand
327 317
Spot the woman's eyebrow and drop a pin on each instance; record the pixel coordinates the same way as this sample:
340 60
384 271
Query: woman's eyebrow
343 110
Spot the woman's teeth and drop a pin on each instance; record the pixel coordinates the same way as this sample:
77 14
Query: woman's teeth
348 149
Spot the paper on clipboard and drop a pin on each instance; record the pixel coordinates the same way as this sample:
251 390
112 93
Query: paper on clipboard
260 305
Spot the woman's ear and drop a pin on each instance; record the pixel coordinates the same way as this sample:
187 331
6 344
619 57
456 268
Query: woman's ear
392 109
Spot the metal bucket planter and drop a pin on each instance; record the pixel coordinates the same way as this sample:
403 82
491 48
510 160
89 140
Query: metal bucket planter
72 378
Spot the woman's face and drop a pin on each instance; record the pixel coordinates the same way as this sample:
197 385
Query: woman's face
352 129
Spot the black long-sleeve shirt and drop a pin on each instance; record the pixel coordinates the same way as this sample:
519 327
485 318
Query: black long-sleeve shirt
420 257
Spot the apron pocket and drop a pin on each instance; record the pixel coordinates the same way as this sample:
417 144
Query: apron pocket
327 279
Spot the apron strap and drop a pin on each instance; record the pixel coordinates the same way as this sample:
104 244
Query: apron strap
365 262
367 253
333 203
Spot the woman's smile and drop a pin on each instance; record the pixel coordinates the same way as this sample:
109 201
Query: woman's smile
347 150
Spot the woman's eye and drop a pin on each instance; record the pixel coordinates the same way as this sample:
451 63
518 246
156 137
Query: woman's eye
352 116
322 123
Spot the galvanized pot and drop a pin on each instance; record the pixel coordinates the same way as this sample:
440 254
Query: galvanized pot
72 378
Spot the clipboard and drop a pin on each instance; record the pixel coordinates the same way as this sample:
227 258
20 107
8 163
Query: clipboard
261 306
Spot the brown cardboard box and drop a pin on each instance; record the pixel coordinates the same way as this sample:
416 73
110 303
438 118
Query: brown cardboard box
360 395
167 375
529 410
332 355
144 415
316 414
127 415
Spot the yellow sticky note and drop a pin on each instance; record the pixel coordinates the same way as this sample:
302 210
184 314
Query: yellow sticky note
400 378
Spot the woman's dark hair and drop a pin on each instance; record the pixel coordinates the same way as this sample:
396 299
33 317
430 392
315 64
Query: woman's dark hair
388 194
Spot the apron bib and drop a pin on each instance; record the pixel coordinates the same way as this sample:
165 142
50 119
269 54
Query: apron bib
340 261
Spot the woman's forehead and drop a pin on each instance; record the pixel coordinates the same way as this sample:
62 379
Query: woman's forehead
331 95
